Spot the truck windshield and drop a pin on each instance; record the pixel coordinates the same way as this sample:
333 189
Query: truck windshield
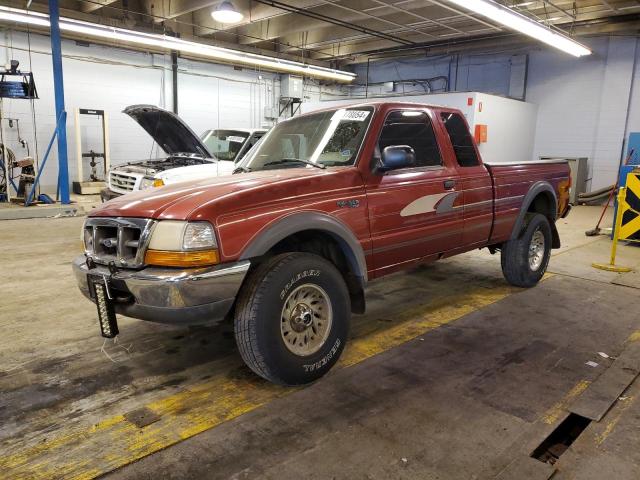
224 144
326 139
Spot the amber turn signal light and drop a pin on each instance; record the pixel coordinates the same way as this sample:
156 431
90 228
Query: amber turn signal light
197 258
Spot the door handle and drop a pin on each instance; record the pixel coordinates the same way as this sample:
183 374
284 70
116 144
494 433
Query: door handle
449 184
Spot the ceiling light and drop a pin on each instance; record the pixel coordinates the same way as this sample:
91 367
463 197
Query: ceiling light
522 24
226 13
164 42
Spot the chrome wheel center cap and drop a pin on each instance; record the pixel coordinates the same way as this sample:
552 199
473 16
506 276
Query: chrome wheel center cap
301 317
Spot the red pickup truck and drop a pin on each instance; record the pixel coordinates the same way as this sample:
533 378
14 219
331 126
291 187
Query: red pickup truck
327 202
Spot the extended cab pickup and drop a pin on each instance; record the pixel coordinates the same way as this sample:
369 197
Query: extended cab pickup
329 201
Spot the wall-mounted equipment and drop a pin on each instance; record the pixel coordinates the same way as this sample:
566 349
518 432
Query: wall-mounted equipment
93 164
17 84
480 133
291 87
291 92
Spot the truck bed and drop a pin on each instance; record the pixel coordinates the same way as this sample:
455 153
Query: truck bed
511 182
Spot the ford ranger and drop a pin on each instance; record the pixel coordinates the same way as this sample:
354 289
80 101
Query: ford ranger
328 201
190 157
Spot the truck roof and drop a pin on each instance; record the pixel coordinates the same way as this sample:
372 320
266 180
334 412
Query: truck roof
399 104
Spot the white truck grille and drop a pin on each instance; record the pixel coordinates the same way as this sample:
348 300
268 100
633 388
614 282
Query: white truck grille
122 181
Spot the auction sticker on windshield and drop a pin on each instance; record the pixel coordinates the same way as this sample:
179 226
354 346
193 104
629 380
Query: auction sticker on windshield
356 115
231 138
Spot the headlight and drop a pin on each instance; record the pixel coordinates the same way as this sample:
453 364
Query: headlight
145 183
198 235
148 182
182 244
86 239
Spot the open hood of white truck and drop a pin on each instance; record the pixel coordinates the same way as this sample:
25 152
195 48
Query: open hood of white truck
168 130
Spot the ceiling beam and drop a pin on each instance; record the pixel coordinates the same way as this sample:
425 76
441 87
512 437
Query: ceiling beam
88 7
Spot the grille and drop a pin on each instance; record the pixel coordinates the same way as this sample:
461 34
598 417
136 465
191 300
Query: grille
121 241
122 181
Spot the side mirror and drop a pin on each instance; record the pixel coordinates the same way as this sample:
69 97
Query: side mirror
395 157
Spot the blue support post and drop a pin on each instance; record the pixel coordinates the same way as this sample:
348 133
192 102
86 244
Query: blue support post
27 201
58 86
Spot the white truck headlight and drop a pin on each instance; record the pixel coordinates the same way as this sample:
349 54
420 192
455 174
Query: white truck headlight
182 244
148 182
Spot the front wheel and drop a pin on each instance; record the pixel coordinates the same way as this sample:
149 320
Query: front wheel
525 259
292 318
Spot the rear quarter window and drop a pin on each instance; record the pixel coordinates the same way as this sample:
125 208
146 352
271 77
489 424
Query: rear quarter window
460 139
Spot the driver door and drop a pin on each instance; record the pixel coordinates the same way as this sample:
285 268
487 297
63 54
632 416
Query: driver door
413 212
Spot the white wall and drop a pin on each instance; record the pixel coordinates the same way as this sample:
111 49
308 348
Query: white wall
583 104
110 79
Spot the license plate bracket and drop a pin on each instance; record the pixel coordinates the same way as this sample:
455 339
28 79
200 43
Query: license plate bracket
101 294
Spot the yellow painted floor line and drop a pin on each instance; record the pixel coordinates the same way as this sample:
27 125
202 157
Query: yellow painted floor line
84 453
560 408
612 422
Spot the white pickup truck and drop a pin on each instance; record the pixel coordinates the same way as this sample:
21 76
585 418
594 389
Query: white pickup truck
190 157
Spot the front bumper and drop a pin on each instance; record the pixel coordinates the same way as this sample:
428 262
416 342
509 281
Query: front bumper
168 295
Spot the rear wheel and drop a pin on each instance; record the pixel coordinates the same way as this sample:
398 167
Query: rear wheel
525 259
292 318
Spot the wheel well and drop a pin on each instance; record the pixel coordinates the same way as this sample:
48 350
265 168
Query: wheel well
545 204
328 246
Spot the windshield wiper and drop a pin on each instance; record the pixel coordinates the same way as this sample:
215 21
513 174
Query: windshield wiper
241 169
298 160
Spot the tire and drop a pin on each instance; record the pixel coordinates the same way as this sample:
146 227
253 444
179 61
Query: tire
515 258
272 318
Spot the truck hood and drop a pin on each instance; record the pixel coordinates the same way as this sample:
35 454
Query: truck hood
167 130
181 200
152 167
197 172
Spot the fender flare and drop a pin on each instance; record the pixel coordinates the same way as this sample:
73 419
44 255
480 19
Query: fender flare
536 189
298 222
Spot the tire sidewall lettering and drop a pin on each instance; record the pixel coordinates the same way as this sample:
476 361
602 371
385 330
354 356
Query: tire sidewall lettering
296 278
324 360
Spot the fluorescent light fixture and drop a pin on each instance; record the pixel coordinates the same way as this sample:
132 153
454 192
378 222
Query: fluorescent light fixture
165 42
226 13
522 24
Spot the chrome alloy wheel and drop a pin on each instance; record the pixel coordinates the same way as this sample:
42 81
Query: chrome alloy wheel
306 319
536 250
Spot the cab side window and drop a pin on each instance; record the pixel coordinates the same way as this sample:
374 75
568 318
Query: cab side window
254 139
460 139
413 128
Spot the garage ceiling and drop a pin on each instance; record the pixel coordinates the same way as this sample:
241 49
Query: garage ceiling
348 30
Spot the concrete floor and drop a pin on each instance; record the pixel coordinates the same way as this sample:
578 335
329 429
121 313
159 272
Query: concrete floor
450 374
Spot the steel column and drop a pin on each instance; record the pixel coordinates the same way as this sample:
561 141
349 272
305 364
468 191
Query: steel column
174 78
58 87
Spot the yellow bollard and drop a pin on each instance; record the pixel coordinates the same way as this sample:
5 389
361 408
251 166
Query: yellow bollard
611 266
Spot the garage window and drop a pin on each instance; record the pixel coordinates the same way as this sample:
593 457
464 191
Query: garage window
413 128
460 139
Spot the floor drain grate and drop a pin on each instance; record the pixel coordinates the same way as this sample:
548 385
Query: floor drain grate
561 438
